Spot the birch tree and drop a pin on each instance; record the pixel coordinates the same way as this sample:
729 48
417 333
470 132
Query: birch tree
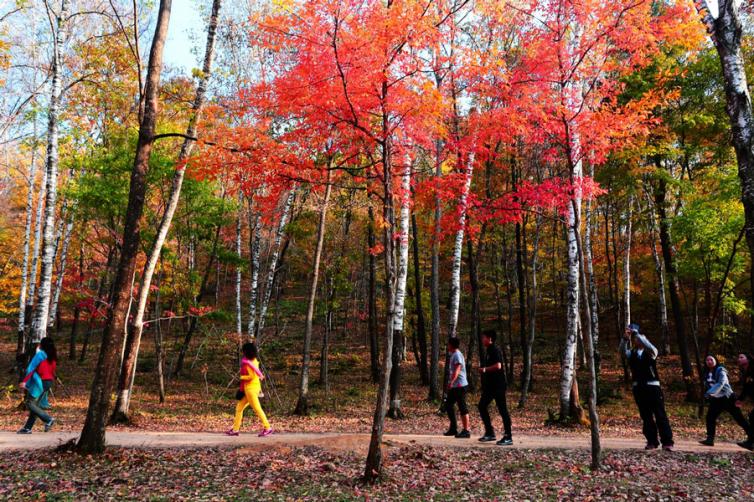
455 281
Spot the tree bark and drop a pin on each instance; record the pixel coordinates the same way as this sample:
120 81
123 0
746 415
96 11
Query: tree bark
662 306
42 306
593 293
372 300
421 327
455 281
255 229
61 270
92 438
239 274
394 410
532 301
302 406
77 308
25 271
434 291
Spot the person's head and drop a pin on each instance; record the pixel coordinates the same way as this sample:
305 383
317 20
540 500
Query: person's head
488 337
710 362
48 346
453 344
249 350
744 361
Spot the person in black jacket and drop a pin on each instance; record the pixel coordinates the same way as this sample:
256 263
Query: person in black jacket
746 365
493 388
646 388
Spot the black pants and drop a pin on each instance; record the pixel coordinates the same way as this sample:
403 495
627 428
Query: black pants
717 405
651 404
498 395
35 409
456 395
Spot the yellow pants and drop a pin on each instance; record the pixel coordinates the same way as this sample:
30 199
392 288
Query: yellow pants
251 397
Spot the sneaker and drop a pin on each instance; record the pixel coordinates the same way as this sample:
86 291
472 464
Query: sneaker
450 432
708 442
49 425
651 446
506 441
464 434
749 445
231 432
667 447
24 431
486 438
265 432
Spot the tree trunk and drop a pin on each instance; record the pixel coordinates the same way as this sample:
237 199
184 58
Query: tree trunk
25 271
42 306
372 307
727 32
92 438
421 328
77 308
532 327
133 339
239 274
373 467
434 292
101 287
158 347
455 281
627 265
274 260
660 271
302 406
30 297
521 286
394 410
593 293
673 287
475 339
255 229
61 271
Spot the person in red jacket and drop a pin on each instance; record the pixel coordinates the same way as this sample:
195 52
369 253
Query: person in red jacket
40 374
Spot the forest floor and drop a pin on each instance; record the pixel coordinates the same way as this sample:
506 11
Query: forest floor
322 455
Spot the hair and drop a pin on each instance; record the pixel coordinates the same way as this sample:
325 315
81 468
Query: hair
490 333
749 358
48 346
249 350
454 342
634 328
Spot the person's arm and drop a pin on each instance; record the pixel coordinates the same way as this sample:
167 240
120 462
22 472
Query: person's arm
256 370
648 346
33 365
625 347
496 363
454 376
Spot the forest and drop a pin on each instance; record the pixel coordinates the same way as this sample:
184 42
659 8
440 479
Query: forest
352 185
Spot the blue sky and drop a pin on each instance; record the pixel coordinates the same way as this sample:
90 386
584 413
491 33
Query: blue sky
185 22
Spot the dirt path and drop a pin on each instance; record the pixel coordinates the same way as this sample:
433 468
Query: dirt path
335 441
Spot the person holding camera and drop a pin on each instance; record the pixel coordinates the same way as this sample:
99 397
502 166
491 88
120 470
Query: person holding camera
642 359
493 388
457 387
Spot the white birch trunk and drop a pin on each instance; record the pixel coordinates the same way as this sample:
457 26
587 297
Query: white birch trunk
660 271
455 283
239 277
400 288
572 300
256 241
274 259
41 311
37 240
61 270
593 296
627 264
27 248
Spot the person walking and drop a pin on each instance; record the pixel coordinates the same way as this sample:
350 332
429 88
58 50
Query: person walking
721 398
250 388
457 388
493 388
746 366
40 375
642 359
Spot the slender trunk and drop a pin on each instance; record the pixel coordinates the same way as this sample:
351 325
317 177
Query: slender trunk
133 339
373 467
455 281
255 229
61 271
77 308
434 292
673 288
92 438
239 275
727 33
274 260
394 410
627 265
159 351
372 300
25 272
660 271
475 339
521 286
42 306
593 293
421 328
532 326
302 406
37 242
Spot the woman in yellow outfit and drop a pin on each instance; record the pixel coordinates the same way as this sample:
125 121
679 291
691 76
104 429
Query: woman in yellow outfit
251 386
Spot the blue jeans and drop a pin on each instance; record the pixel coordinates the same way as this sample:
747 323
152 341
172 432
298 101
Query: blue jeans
35 410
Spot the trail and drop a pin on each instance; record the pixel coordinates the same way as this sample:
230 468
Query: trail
10 441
